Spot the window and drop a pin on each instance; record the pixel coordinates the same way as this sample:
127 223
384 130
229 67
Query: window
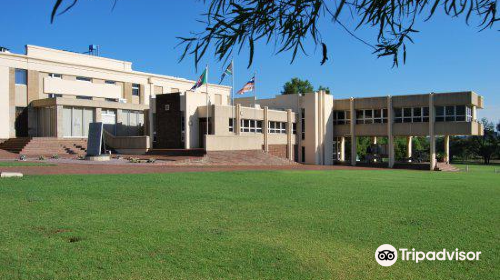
277 127
253 126
84 97
21 77
342 117
411 115
459 113
111 99
370 116
303 122
136 89
407 115
110 82
398 115
53 95
294 128
52 75
231 125
84 79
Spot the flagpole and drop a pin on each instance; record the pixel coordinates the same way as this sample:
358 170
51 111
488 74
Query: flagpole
206 89
254 88
232 94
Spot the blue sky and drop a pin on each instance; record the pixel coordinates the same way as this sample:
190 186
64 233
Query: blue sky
447 55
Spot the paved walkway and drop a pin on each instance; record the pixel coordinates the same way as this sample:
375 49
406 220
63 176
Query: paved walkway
131 168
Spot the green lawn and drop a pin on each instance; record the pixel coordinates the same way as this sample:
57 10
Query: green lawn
247 225
23 163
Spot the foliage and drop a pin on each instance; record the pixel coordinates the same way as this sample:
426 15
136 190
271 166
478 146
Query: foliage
487 145
234 24
247 225
325 89
296 85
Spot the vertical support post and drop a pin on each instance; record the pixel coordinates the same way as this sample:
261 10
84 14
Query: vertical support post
409 147
59 121
289 133
432 118
237 125
342 148
354 148
374 140
266 128
390 135
447 148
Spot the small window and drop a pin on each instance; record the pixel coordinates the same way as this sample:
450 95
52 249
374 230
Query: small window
21 77
53 95
84 97
303 154
110 82
111 99
231 125
167 107
136 89
52 75
84 79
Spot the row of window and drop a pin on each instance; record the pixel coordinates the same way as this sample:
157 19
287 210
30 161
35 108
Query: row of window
409 115
255 126
369 116
21 78
406 115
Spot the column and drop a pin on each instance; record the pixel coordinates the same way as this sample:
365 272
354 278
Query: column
265 128
237 125
59 121
409 146
342 148
390 136
289 133
354 148
432 113
447 148
374 140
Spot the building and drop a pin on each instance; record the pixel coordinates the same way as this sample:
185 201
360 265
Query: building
53 93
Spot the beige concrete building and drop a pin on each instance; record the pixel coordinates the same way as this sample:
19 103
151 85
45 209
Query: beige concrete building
53 93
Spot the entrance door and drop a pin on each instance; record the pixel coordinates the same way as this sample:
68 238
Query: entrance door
202 128
21 122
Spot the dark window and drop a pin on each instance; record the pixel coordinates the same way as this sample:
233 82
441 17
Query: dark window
110 82
231 125
111 99
52 75
21 77
84 97
303 122
136 89
83 79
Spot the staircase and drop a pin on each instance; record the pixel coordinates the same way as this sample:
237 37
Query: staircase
443 166
45 146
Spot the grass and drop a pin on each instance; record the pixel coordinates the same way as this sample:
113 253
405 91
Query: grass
247 225
23 163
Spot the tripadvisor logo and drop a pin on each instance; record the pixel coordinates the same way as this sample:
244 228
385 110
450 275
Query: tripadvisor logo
387 255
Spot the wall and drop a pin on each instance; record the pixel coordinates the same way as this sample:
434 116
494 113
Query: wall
168 123
234 142
4 103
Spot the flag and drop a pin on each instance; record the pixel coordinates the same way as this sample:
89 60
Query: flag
229 71
201 80
248 86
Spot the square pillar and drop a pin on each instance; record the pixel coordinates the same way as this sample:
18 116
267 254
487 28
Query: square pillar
374 140
354 148
432 118
237 125
59 121
409 146
390 136
289 133
342 148
447 148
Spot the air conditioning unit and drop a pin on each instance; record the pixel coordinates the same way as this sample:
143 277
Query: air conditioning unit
122 100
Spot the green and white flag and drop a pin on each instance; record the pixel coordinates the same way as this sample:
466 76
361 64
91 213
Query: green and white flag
229 71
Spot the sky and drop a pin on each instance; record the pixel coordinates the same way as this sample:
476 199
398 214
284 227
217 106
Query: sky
448 55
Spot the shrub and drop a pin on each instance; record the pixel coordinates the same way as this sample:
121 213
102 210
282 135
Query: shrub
55 156
41 158
22 157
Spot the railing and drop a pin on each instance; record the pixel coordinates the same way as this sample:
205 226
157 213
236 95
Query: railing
139 143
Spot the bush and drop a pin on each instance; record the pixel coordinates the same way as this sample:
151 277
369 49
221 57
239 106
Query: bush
41 158
55 156
22 157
